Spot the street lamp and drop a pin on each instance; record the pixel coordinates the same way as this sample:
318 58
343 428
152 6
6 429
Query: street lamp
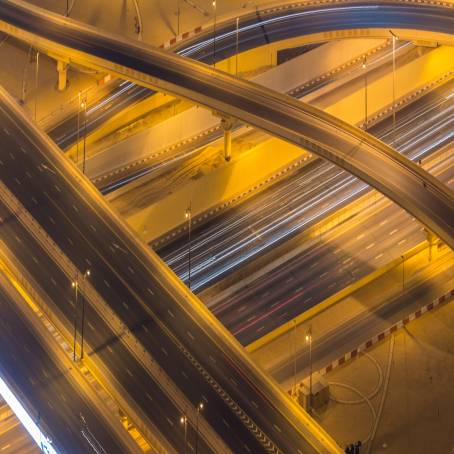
214 34
188 216
199 409
309 340
75 285
85 275
184 422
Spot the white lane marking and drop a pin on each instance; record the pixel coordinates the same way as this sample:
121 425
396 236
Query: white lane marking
190 335
251 318
53 281
125 305
57 188
107 284
170 313
150 291
393 231
370 245
129 372
164 351
149 397
323 274
29 175
402 241
144 327
260 329
35 259
359 237
169 421
131 270
225 422
110 349
75 208
91 326
17 180
93 227
241 309
18 239
6 131
313 265
51 219
384 222
378 256
277 428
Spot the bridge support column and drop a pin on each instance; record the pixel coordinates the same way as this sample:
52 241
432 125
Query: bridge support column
431 239
62 69
227 125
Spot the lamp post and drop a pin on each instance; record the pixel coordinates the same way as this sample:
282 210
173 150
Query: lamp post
184 422
214 34
86 274
188 216
75 285
199 409
309 340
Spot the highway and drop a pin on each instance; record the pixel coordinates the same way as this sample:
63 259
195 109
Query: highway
303 198
264 27
298 123
360 328
181 335
109 175
56 403
341 258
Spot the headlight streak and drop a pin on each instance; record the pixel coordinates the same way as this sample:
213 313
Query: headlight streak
268 243
44 443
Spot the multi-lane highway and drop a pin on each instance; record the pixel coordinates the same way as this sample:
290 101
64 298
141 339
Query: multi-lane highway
181 335
261 28
302 199
54 401
298 123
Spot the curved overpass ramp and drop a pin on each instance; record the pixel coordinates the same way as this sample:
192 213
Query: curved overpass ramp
350 148
319 21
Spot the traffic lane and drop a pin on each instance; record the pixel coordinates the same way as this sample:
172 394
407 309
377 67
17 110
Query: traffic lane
56 402
390 231
104 343
285 433
296 295
349 335
210 236
65 133
161 351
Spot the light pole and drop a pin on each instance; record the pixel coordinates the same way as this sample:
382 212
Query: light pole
395 38
188 216
75 286
214 35
86 274
309 340
199 409
184 421
84 106
364 65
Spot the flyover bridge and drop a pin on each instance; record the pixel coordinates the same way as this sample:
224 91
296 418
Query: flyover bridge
190 335
348 147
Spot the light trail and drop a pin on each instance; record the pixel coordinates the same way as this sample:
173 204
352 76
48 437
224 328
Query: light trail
44 443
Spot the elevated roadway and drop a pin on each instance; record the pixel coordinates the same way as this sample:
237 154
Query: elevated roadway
346 146
182 335
45 388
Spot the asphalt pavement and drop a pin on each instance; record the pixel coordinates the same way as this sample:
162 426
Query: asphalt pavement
189 346
56 403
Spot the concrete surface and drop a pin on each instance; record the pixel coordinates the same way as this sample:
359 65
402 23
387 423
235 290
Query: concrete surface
417 415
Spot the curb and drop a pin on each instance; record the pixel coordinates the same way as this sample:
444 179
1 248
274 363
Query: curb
383 335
